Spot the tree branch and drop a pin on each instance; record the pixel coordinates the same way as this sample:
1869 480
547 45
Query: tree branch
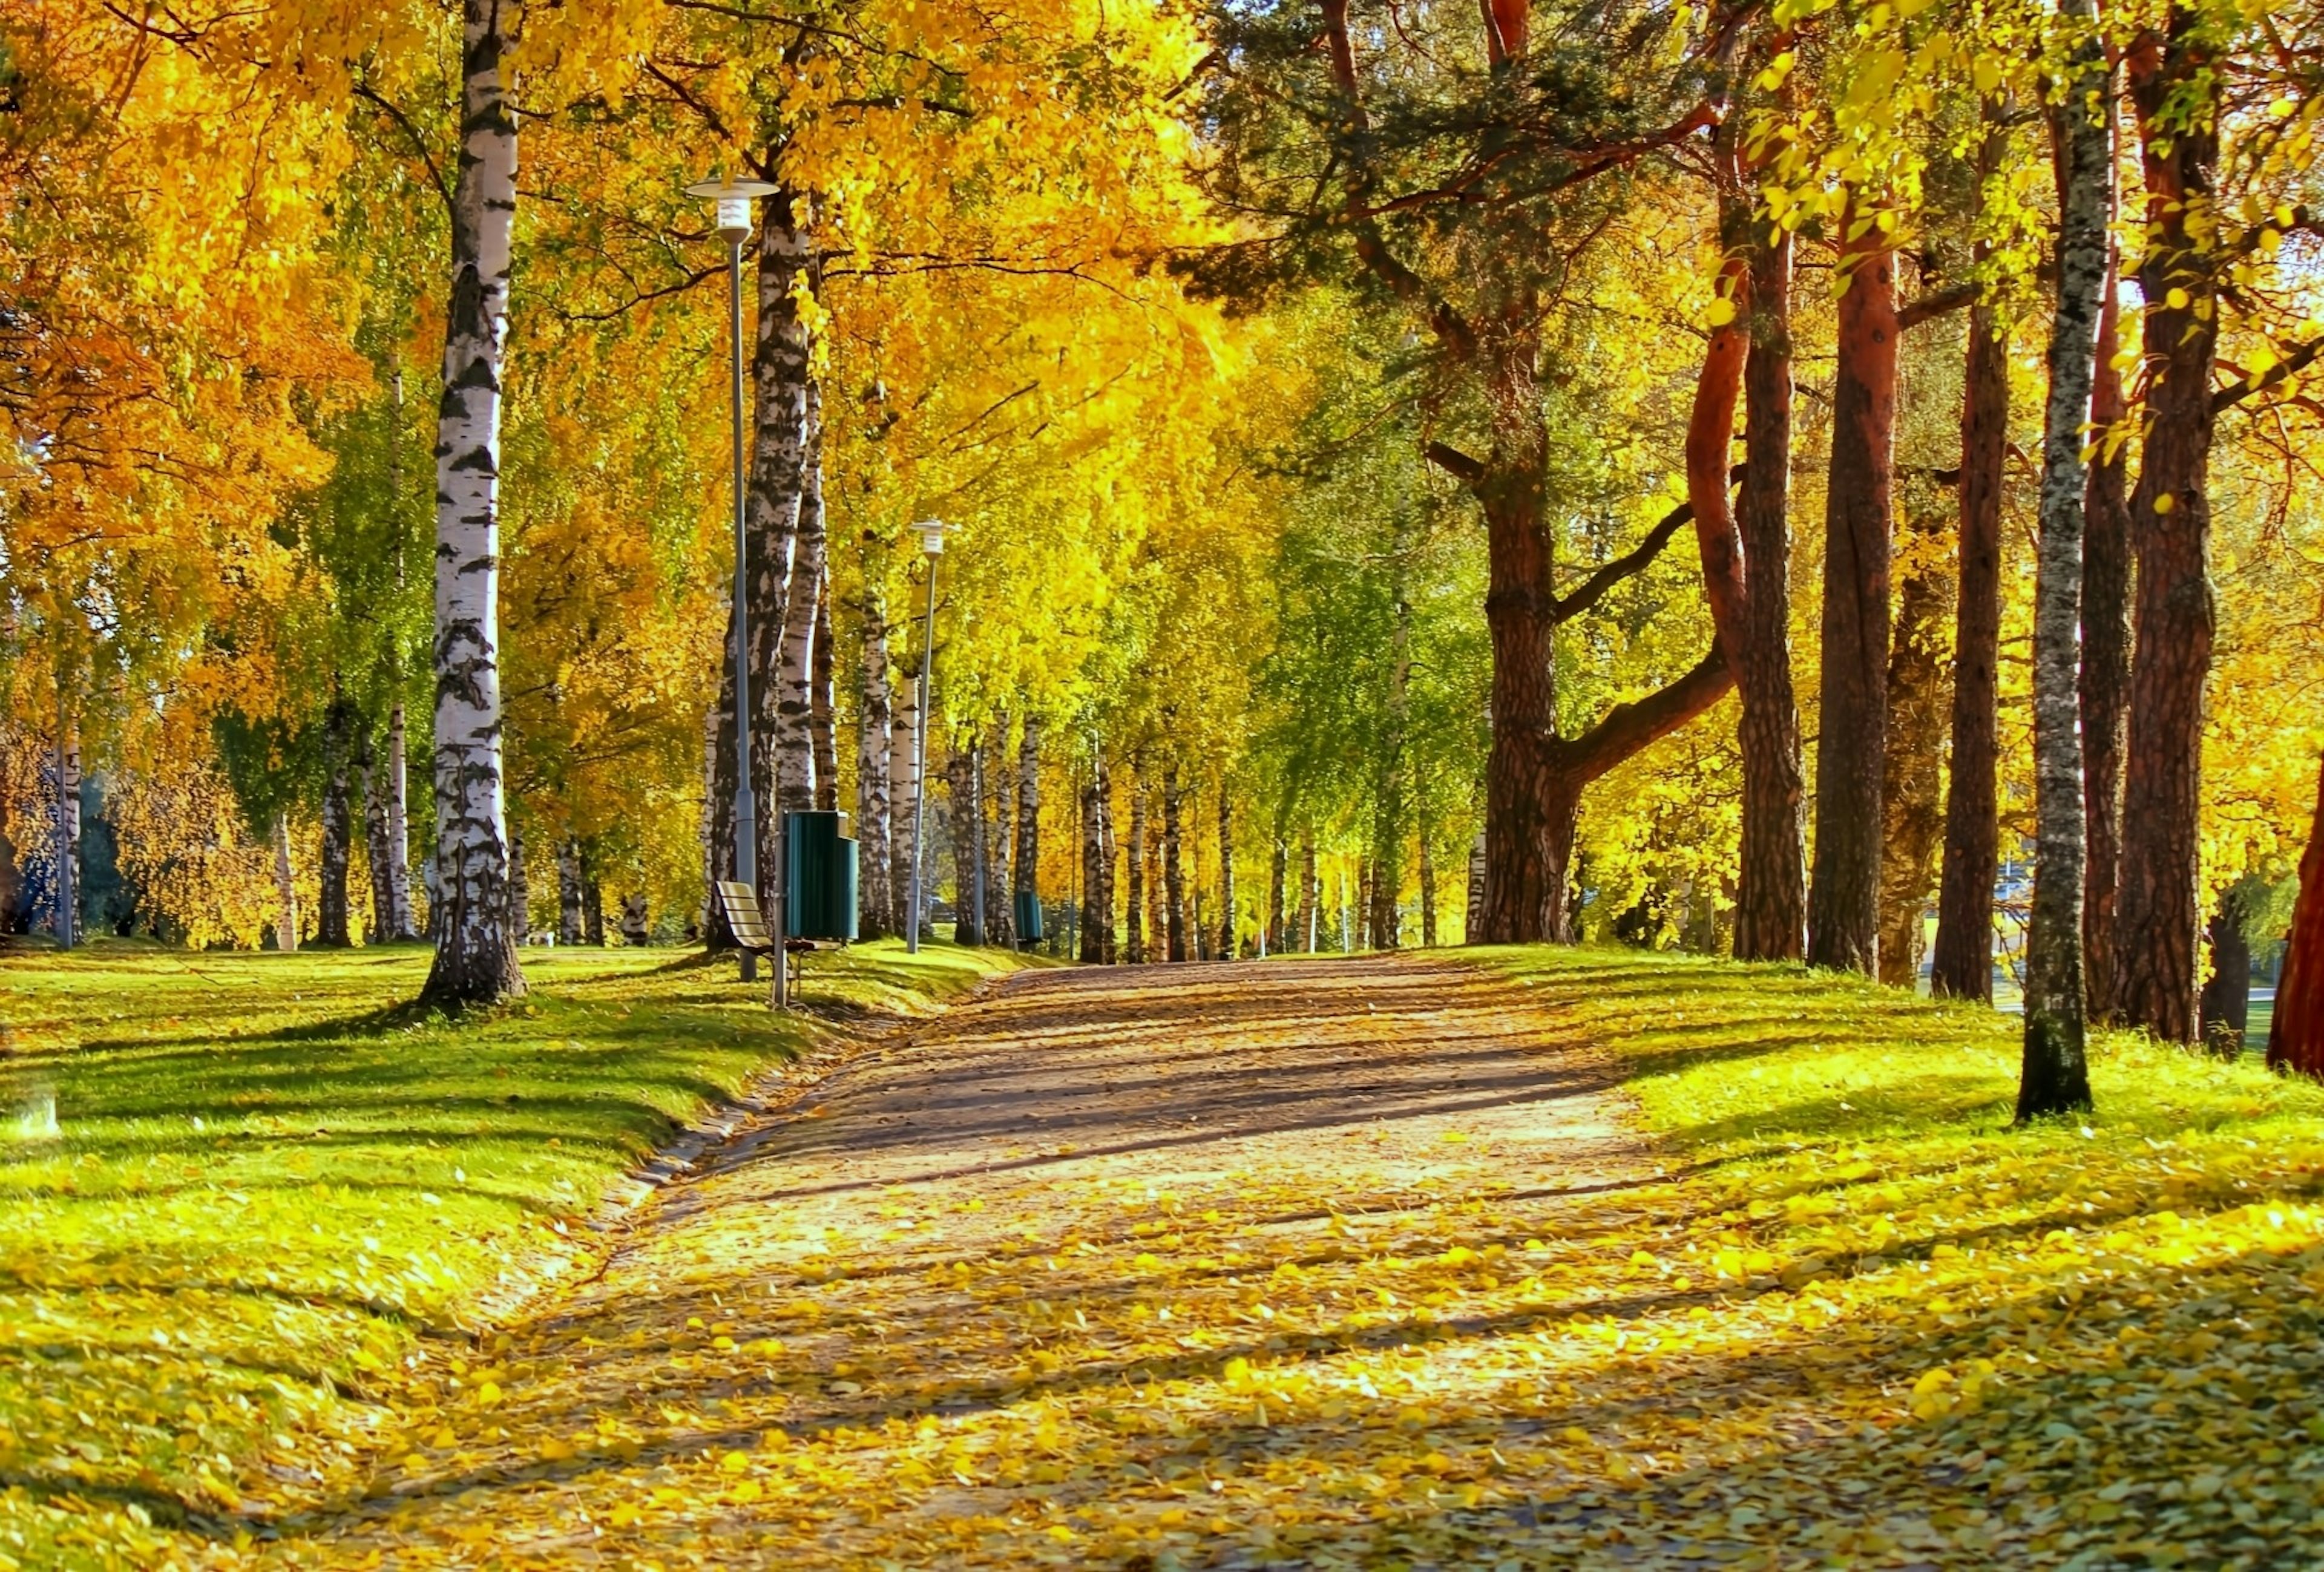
1593 589
419 143
1628 728
1934 304
2282 372
1456 463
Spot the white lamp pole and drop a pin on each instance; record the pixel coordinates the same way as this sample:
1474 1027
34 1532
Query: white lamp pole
932 542
732 202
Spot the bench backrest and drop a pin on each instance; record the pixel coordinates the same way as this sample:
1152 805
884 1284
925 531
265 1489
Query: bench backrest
743 915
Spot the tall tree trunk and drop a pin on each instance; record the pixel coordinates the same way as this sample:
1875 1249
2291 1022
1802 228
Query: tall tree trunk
1963 965
966 831
65 918
2295 1036
904 786
1278 870
1746 550
1134 913
1912 814
1533 776
784 487
569 891
1157 924
795 750
873 757
1108 943
2170 517
1227 949
1474 909
2055 1075
1093 915
1026 879
635 930
593 899
1844 892
1771 897
476 954
378 849
823 712
2226 993
1311 892
402 924
1173 878
520 890
286 888
993 775
332 912
1366 908
1528 803
2106 660
1427 892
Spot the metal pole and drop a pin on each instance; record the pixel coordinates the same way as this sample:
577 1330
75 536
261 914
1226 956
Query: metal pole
746 804
920 765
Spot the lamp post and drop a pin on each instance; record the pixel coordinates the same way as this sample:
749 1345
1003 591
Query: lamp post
731 200
932 542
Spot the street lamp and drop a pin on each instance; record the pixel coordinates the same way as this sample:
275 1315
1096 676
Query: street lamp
932 542
732 199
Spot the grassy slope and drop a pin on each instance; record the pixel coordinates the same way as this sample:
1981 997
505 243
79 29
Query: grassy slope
264 1187
2087 1344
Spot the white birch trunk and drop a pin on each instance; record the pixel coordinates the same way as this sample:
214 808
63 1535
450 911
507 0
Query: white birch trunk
402 922
286 889
475 952
782 422
2056 1075
871 786
569 891
795 714
375 849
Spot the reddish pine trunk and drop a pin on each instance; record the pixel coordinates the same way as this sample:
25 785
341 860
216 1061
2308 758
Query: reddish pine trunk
2159 915
1844 893
2106 672
1771 896
1963 965
2295 1042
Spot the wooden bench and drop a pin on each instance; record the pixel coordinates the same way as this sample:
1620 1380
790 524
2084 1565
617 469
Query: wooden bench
750 924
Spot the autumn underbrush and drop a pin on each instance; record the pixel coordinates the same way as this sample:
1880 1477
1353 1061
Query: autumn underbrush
2089 1342
239 1194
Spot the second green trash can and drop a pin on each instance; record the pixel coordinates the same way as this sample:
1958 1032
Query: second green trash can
820 873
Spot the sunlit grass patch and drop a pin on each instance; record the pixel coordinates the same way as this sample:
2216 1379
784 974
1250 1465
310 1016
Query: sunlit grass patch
237 1192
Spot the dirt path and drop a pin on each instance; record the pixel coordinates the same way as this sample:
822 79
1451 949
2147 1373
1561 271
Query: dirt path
1195 1266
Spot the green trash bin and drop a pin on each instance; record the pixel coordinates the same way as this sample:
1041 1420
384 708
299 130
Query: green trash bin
1029 917
820 869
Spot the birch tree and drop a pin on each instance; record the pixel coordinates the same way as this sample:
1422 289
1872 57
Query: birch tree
2056 1075
475 952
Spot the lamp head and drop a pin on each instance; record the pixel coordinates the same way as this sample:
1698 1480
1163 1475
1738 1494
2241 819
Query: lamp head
732 199
932 532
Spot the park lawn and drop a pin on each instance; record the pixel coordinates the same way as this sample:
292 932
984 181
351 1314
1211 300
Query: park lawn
2095 1342
266 1184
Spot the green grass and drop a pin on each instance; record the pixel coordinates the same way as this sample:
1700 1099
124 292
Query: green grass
2091 1342
266 1184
